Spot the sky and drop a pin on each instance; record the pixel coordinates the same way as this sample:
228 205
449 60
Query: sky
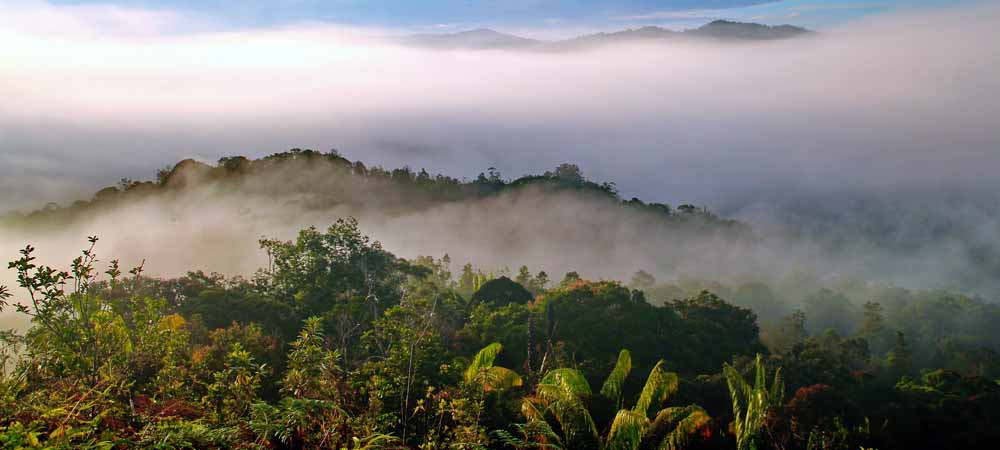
536 17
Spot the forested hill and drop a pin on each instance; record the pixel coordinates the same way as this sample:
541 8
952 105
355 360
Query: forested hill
317 181
336 342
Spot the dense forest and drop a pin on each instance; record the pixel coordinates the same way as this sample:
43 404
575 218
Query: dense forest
337 342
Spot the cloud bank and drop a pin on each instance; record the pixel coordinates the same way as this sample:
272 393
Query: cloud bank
887 122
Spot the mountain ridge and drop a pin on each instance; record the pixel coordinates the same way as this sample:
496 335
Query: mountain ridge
718 30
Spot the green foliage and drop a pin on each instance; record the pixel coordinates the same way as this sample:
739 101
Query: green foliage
752 403
536 434
482 372
319 269
312 370
568 379
299 423
339 344
187 435
560 396
502 291
679 426
615 383
234 387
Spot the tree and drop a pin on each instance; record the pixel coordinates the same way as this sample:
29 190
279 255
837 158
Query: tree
569 279
218 308
319 268
81 336
312 370
523 276
642 281
789 333
760 298
717 330
585 321
899 360
502 291
541 280
567 172
340 275
829 309
234 388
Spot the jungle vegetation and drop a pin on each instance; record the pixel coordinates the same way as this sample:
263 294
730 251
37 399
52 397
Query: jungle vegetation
338 343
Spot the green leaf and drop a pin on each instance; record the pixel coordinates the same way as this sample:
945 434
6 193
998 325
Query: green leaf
681 424
612 388
659 386
501 379
626 430
572 378
483 360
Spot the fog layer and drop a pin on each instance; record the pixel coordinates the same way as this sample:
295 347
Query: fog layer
871 139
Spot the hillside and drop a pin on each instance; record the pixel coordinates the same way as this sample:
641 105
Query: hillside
326 180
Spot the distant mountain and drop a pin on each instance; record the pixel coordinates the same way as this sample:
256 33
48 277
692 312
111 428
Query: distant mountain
630 35
725 29
717 30
472 39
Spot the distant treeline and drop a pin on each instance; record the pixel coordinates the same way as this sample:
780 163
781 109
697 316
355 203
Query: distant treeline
328 179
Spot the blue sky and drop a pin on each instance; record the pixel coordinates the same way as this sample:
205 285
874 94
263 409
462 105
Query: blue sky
521 14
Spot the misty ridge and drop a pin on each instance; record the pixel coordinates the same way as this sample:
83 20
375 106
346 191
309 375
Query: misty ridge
209 217
718 30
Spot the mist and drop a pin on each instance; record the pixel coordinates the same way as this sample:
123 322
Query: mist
848 151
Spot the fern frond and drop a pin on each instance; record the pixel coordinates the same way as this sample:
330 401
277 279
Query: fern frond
683 422
612 387
500 379
777 388
541 434
626 430
572 378
575 421
529 409
483 360
659 386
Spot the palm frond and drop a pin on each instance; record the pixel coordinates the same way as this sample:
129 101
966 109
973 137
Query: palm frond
530 409
572 378
659 386
535 434
612 387
578 427
683 422
483 360
626 430
500 379
751 404
777 394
